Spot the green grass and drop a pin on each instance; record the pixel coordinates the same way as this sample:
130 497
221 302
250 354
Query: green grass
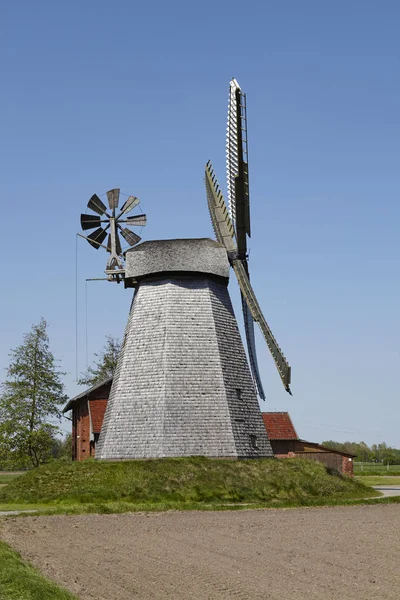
380 480
20 581
124 507
7 477
377 469
179 483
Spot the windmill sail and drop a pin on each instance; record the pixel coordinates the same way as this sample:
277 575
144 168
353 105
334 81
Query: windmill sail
280 361
96 205
251 347
225 234
129 205
232 151
113 198
239 201
237 169
232 227
90 221
221 221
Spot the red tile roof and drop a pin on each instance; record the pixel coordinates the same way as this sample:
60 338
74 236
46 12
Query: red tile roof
279 426
97 410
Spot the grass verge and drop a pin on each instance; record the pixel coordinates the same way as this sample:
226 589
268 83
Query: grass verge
20 581
180 483
379 480
381 471
125 507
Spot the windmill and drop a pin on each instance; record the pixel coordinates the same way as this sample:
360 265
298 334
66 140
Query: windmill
111 224
183 385
232 227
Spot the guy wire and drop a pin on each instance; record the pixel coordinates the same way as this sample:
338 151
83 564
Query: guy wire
86 324
76 308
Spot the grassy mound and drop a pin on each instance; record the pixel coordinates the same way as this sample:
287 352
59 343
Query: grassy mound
182 480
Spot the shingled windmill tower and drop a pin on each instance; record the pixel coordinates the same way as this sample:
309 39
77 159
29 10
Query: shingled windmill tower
183 386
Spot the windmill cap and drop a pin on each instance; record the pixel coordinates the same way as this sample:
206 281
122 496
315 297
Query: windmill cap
201 255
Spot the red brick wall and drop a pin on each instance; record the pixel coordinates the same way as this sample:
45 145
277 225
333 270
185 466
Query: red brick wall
81 446
81 439
73 434
347 466
97 410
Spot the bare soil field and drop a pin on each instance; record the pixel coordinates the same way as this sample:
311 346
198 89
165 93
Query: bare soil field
341 553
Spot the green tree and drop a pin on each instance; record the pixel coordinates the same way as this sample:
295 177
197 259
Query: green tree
62 447
332 444
364 453
105 364
30 401
376 453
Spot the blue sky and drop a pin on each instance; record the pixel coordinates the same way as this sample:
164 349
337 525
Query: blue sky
97 95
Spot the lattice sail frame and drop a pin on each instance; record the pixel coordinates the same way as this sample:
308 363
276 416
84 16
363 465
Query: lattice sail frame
232 150
232 227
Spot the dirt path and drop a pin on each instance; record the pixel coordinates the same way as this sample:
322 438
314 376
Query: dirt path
342 553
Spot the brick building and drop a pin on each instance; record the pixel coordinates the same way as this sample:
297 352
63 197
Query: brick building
286 444
88 410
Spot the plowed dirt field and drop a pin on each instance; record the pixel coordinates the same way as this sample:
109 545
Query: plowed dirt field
342 553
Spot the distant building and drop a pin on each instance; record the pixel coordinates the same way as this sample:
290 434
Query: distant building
286 444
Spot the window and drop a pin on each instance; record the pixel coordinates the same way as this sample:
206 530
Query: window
253 441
